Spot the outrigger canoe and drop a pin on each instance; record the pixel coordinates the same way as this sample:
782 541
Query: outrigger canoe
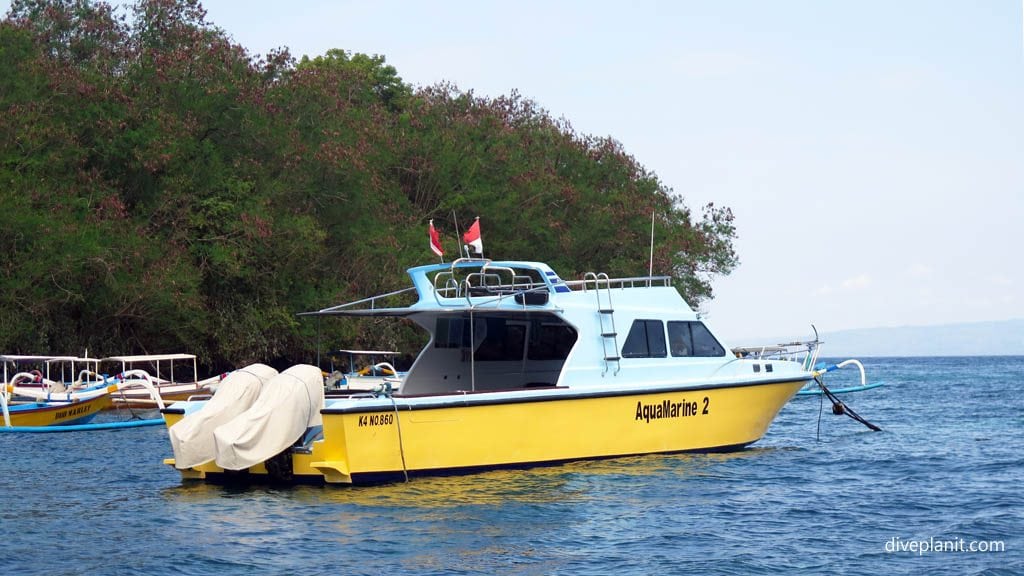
521 369
24 407
160 368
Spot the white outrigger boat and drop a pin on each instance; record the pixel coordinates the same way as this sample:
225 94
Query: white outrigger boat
160 367
521 369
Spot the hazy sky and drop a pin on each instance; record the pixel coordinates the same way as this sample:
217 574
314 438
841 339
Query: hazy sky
872 151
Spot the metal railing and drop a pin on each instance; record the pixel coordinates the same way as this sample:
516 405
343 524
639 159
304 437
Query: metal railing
590 282
806 353
498 281
372 300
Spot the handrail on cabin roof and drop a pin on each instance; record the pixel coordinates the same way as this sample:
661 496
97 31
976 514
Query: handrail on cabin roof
630 282
485 264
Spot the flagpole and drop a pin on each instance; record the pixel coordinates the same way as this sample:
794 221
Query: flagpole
458 233
481 244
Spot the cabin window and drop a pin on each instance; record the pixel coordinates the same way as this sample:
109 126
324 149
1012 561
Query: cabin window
680 341
646 340
693 339
503 341
550 341
452 333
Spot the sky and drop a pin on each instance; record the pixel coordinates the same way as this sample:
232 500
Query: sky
872 151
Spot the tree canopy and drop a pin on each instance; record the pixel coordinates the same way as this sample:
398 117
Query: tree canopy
164 190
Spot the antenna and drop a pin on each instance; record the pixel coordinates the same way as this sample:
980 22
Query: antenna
650 267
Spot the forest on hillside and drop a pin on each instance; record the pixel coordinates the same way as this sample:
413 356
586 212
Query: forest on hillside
164 190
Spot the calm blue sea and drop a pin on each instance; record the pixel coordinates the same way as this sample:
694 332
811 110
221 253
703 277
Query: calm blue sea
947 466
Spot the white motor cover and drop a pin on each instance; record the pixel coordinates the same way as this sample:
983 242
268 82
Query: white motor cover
192 437
289 404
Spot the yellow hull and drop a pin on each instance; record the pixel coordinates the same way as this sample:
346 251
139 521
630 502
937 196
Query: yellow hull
366 447
58 414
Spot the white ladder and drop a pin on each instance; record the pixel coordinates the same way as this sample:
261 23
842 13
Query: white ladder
609 336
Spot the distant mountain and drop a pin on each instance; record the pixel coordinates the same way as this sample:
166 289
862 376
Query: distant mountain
1003 338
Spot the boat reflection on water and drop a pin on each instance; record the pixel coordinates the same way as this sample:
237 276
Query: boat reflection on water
563 483
488 521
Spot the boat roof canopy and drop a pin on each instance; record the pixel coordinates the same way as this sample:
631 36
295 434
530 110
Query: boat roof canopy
24 358
367 352
151 357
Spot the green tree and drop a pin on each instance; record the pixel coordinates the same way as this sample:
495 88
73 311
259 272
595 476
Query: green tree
161 189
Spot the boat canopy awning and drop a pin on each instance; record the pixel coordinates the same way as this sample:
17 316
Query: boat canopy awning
367 352
20 358
151 358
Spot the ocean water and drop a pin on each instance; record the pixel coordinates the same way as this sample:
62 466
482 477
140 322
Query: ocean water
818 494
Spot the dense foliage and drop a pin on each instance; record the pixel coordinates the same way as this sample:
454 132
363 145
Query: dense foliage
162 190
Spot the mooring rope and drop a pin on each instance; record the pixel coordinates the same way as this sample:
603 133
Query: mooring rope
401 448
821 404
839 408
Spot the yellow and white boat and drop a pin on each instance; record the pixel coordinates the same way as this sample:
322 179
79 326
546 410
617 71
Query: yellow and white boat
53 413
23 406
521 369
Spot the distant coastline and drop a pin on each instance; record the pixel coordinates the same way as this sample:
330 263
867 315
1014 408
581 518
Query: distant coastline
995 338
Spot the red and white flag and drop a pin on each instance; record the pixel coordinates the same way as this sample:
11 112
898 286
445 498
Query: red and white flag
435 240
472 237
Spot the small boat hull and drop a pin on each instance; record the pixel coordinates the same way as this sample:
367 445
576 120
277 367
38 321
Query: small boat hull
56 414
362 446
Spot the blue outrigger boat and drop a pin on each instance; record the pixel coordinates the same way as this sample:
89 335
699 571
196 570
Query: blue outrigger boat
39 408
